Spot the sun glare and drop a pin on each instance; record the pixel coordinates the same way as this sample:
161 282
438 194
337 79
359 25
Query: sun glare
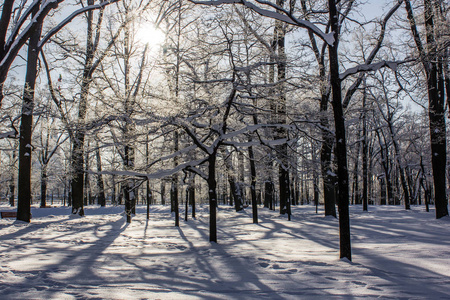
148 34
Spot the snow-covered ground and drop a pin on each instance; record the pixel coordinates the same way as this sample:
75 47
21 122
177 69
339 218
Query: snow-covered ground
397 254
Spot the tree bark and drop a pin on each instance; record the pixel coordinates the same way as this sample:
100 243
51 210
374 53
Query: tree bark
436 102
43 185
26 124
364 154
251 156
212 192
101 199
341 145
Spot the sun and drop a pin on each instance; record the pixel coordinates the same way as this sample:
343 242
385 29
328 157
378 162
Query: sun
147 34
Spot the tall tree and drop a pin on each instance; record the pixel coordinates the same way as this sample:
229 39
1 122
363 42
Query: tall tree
432 59
25 144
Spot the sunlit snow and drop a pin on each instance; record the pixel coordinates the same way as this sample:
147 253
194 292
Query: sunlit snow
396 254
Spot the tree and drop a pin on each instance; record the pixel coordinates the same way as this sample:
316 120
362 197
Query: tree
435 66
26 26
25 144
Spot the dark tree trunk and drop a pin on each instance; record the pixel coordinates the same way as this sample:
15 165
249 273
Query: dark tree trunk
433 67
43 185
87 183
149 199
174 200
126 190
163 191
341 145
236 193
101 199
268 194
382 180
280 113
212 192
251 156
186 205
26 124
192 196
79 136
436 114
174 188
327 172
113 193
356 199
364 155
12 188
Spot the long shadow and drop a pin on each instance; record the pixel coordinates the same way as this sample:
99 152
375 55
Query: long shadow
195 269
26 228
76 261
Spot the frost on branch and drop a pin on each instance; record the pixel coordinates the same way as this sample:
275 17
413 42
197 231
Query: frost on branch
281 14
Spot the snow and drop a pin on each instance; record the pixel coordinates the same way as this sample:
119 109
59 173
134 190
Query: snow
396 254
284 17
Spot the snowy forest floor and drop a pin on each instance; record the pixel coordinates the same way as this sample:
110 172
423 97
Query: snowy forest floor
397 254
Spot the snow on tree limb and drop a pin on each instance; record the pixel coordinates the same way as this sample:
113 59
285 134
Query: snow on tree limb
281 15
156 175
393 65
69 19
9 134
16 40
372 54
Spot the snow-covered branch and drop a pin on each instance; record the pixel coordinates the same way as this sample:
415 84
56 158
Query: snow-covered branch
156 175
16 40
393 65
9 134
280 14
72 16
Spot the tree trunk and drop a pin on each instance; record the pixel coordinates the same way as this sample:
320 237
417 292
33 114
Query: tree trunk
436 114
281 133
355 194
43 185
251 156
80 132
174 188
269 196
364 155
149 199
433 67
87 183
26 124
341 145
12 188
163 191
101 199
192 196
235 187
212 192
